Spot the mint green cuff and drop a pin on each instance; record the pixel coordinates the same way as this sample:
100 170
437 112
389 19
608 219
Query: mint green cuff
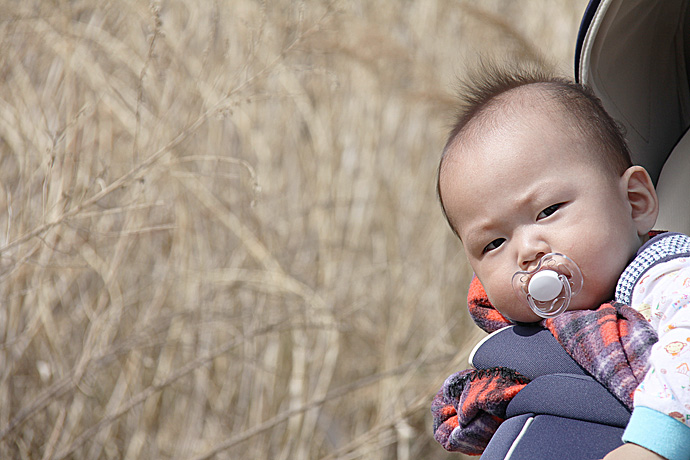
659 433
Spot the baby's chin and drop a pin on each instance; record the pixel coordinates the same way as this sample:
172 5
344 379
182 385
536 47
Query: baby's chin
526 315
591 302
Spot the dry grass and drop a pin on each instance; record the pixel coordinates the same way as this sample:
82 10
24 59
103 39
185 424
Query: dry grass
219 235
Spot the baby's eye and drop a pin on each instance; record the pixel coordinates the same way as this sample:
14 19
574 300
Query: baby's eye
548 211
493 245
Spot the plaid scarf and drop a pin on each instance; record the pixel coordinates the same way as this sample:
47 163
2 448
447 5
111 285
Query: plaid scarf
611 343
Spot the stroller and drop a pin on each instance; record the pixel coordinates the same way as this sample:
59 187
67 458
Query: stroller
634 55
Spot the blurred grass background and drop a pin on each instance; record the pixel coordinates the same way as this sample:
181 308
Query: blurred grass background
219 236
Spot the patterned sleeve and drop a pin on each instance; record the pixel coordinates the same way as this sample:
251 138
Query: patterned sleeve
662 295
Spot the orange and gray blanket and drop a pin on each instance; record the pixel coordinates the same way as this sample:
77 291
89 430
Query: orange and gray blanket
611 343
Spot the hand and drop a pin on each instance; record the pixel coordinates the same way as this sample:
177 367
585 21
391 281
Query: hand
629 451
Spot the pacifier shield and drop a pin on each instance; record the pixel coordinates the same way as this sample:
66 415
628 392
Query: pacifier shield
547 289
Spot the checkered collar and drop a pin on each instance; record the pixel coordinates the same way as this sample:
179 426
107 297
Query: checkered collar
661 248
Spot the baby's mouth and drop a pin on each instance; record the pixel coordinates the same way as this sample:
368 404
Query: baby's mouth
548 288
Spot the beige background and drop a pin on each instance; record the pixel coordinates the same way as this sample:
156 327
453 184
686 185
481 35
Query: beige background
219 236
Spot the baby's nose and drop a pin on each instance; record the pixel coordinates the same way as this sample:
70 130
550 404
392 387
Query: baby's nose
531 262
531 252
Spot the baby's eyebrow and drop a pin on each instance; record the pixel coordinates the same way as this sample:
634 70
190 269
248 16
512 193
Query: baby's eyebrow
475 233
486 225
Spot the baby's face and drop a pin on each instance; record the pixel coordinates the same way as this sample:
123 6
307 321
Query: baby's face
525 188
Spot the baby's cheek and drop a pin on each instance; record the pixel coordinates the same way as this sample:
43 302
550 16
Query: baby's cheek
596 293
498 300
514 308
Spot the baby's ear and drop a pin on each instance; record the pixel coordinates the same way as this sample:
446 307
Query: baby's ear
642 198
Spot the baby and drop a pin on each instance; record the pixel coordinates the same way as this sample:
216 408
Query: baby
534 165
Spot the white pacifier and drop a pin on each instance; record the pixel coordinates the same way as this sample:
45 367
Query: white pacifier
548 288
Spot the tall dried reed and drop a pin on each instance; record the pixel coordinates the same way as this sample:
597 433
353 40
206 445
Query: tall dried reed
219 235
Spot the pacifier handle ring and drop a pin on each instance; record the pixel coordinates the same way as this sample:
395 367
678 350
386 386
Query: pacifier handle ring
550 312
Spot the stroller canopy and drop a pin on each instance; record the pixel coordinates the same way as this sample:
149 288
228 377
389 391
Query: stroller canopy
634 55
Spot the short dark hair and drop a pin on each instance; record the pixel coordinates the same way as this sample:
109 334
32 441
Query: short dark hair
482 91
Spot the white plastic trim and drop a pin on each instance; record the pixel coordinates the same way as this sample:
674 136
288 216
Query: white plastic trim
470 359
513 446
592 32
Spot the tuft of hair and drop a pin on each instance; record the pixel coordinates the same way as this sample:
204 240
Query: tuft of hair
483 87
488 81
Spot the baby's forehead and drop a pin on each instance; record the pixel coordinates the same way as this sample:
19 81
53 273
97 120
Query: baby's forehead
482 146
